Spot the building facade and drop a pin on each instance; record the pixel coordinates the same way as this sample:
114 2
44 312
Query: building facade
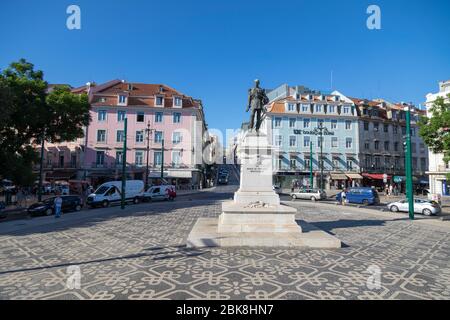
438 169
164 127
293 123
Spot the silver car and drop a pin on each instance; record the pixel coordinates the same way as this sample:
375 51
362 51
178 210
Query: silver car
426 207
310 194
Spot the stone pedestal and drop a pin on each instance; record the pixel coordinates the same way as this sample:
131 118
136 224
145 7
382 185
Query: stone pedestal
255 217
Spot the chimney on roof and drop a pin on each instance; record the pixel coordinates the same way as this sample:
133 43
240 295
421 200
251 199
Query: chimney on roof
130 87
161 89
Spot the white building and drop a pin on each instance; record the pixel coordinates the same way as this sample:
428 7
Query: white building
437 169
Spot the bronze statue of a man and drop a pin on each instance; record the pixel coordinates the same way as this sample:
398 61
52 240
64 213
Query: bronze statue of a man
257 99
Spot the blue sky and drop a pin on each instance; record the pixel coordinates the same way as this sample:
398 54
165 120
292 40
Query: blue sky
213 50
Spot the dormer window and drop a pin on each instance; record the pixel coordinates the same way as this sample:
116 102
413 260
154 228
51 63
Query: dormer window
291 107
318 108
331 109
122 99
102 99
177 102
159 101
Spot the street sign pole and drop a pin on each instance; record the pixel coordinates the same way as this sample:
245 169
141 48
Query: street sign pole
408 160
162 160
124 165
311 182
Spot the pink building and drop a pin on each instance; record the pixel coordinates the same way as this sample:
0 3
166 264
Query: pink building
155 114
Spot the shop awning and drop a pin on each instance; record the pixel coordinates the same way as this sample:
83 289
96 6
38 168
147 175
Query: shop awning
338 176
375 176
354 175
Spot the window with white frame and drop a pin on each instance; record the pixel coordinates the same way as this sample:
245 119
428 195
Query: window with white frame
277 123
176 137
121 115
176 117
176 158
101 135
334 124
122 99
307 162
157 158
349 164
159 117
305 107
331 108
120 136
291 107
335 163
334 142
306 141
158 136
159 101
293 162
101 115
177 101
291 123
139 158
292 141
306 123
139 136
278 140
318 108
348 125
346 109
100 157
348 143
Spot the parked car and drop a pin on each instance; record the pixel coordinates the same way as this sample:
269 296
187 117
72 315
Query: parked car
223 179
158 193
362 195
110 192
46 207
310 194
426 207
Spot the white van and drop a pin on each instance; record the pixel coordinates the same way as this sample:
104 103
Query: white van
157 193
110 192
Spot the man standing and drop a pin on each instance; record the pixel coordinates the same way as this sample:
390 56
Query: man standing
58 205
343 197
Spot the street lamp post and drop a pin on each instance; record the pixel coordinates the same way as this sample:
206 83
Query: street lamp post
124 165
148 131
41 168
320 129
162 160
408 163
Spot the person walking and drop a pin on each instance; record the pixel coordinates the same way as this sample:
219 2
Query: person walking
343 197
58 205
20 195
391 189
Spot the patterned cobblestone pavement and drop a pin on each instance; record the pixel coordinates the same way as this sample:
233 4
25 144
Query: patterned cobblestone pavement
141 254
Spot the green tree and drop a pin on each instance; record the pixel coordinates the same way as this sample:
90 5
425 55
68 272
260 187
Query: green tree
30 113
435 131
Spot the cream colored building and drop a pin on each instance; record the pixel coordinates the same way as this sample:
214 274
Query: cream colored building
437 169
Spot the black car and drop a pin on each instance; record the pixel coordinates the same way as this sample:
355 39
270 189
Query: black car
46 207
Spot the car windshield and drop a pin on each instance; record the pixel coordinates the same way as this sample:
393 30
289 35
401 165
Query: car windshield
101 190
48 201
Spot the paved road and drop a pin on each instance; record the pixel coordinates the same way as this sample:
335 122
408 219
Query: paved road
140 253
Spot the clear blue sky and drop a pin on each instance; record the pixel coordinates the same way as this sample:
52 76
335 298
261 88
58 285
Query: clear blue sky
213 50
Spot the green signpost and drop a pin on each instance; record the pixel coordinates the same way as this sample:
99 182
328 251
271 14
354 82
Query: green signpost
408 163
311 182
124 164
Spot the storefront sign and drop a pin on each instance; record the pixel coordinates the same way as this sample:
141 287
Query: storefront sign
314 132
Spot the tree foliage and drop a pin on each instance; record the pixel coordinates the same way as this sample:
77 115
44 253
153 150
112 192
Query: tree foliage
435 131
29 112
